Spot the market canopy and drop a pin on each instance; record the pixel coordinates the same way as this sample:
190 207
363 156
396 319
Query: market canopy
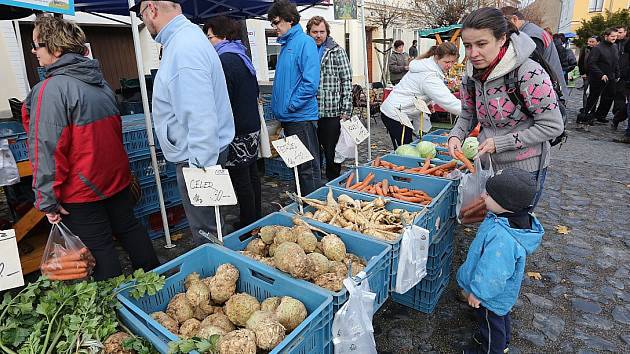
196 10
435 33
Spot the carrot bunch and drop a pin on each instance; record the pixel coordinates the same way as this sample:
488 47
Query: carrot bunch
425 169
474 212
70 266
383 189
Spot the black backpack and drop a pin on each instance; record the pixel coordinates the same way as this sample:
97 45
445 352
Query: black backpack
514 93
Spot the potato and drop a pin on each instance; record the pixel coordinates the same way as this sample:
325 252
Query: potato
305 238
270 304
330 281
257 246
333 248
291 312
179 308
240 307
285 234
318 264
114 344
221 290
242 341
166 321
197 293
227 273
189 328
218 320
191 278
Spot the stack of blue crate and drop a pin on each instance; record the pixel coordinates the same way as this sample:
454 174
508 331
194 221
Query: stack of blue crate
147 210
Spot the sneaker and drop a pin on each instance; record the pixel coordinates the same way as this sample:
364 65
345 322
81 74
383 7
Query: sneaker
602 121
624 139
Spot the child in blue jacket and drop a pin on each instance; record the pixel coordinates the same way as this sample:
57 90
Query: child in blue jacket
492 273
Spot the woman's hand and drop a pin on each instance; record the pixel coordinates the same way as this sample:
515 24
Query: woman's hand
55 217
487 147
454 144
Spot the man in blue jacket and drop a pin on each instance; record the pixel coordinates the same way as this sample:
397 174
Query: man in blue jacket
295 85
191 106
492 273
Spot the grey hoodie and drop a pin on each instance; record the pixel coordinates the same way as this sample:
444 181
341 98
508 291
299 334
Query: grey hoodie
519 140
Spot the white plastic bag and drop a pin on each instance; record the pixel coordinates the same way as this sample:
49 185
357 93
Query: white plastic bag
8 167
412 264
345 147
470 188
352 327
66 257
265 146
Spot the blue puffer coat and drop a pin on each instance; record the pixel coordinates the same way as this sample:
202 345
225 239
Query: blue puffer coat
495 264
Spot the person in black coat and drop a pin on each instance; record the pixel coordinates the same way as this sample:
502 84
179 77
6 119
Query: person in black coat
619 107
567 58
603 72
624 81
240 77
583 68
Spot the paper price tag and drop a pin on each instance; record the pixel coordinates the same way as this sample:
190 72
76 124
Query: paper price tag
210 188
355 128
404 118
10 266
292 151
421 105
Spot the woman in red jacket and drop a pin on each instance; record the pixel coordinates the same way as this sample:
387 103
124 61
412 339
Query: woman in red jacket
80 167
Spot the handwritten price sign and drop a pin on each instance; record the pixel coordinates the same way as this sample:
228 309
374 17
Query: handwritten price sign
292 151
10 266
403 118
211 187
421 105
355 128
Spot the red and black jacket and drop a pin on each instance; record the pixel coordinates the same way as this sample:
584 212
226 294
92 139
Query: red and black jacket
74 135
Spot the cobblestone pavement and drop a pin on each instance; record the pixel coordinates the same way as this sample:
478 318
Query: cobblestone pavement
582 302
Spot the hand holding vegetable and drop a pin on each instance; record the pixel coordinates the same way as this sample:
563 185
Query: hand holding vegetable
454 145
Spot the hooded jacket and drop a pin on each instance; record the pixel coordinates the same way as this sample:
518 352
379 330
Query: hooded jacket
495 264
335 85
295 85
519 139
425 80
74 135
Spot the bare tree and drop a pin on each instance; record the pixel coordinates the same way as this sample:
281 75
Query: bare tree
447 12
386 14
534 14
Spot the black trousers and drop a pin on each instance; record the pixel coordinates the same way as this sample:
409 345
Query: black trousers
95 223
605 93
309 172
494 331
328 131
395 130
247 187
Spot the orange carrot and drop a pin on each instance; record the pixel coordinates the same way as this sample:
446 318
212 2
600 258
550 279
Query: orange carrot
385 185
73 256
64 271
369 178
427 164
67 276
379 191
64 265
478 209
460 156
349 180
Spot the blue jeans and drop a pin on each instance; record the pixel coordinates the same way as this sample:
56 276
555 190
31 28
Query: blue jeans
541 185
309 172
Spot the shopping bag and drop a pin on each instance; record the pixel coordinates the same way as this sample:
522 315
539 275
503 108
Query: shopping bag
412 263
8 167
345 147
470 207
352 326
265 146
66 257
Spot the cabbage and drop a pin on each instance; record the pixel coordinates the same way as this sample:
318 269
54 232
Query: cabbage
470 147
407 150
426 149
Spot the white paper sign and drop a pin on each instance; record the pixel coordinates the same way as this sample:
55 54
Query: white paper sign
10 266
292 151
355 128
421 105
210 188
403 118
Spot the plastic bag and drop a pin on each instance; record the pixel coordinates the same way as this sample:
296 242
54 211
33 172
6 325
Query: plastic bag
8 167
352 327
470 206
66 257
265 145
412 264
345 147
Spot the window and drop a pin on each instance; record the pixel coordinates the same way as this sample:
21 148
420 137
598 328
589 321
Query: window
595 5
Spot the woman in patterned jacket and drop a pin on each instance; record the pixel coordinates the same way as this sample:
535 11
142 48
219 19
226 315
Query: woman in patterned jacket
335 91
496 51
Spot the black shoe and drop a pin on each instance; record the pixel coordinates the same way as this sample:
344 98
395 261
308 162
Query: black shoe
591 123
602 121
614 125
624 139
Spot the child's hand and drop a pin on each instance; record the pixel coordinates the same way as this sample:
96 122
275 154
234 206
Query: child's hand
473 301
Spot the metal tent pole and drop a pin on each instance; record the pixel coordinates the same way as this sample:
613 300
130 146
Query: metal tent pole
367 82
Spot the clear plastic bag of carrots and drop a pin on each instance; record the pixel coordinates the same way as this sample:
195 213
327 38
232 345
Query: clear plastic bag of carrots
66 257
471 208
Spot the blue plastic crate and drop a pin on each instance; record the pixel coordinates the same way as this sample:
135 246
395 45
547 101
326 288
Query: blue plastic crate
19 147
439 189
139 328
256 279
440 246
142 167
439 132
275 167
159 232
149 202
11 129
435 277
436 139
376 253
422 301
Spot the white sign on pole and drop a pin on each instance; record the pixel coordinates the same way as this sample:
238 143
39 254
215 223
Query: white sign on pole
292 151
404 118
212 187
355 128
10 266
421 105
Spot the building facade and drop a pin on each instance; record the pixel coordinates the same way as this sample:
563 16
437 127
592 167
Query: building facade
574 11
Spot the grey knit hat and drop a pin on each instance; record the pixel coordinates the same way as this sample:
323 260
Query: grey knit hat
512 188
